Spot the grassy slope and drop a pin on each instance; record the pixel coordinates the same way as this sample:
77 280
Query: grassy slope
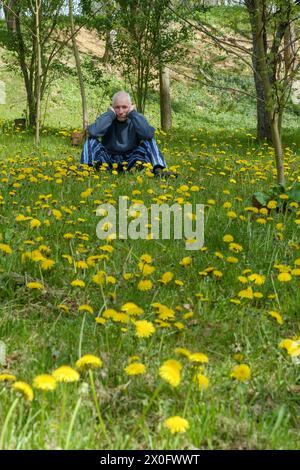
212 144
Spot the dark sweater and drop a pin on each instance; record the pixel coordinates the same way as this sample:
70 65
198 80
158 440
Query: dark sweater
121 137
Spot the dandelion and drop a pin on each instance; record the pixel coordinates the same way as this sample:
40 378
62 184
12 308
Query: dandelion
145 285
228 238
136 368
186 261
144 328
44 382
78 283
132 309
241 372
146 258
170 372
198 357
35 285
47 264
284 277
66 374
88 361
5 248
202 381
7 378
166 277
176 424
35 223
24 389
277 316
86 308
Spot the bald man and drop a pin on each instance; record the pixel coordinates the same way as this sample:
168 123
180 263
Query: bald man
126 139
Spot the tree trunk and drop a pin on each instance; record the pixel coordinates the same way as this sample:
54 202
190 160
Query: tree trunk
270 105
78 67
38 71
10 17
263 130
165 99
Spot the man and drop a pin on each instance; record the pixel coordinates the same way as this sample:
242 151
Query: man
126 138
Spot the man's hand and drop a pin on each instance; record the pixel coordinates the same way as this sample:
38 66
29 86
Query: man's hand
132 108
111 109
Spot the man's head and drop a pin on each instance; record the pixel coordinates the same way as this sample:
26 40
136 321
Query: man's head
121 102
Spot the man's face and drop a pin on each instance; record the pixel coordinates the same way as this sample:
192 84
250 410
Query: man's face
121 108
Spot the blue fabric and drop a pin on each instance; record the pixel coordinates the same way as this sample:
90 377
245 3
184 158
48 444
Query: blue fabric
120 137
94 153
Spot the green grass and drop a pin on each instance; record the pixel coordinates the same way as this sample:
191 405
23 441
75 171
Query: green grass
213 146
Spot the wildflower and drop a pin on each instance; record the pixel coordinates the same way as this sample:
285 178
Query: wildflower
88 361
35 285
5 248
170 372
99 278
47 263
183 351
44 382
228 238
135 368
7 378
198 357
246 293
145 285
235 247
241 372
176 424
146 258
277 316
166 277
144 328
132 309
202 380
66 374
86 308
146 269
24 389
258 279
186 261
284 277
34 223
78 283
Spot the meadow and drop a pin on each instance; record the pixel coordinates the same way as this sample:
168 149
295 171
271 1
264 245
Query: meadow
122 344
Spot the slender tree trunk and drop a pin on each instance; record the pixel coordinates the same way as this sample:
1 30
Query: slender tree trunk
165 98
78 67
267 87
10 17
263 130
38 71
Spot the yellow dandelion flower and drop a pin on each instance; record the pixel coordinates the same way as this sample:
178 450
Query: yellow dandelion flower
5 248
88 361
135 368
176 424
182 351
99 278
44 382
145 285
228 238
35 285
246 293
170 372
47 264
144 328
7 378
277 316
258 279
146 258
66 374
100 320
186 261
146 269
198 357
166 277
24 389
202 381
284 277
241 372
35 223
86 308
132 309
78 283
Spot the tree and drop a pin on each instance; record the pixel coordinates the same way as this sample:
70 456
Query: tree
147 39
78 67
23 42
